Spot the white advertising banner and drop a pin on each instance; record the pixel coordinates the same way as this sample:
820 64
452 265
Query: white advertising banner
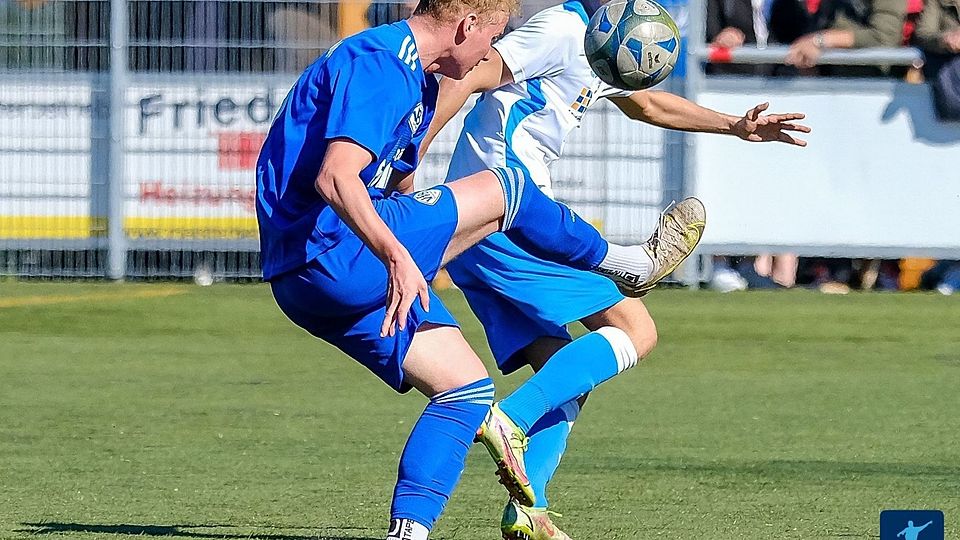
880 177
45 143
190 157
190 152
190 148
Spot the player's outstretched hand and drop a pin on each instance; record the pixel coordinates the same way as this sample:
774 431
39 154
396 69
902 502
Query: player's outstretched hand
405 284
757 127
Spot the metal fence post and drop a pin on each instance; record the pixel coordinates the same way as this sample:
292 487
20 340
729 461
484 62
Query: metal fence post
696 38
117 240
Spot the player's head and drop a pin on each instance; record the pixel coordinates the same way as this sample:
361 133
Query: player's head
475 25
910 523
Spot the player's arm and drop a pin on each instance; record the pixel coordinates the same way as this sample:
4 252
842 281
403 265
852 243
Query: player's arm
365 120
671 111
339 183
491 73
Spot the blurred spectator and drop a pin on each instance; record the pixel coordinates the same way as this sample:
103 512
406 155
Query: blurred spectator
724 277
938 34
950 283
911 271
761 272
782 269
31 4
944 277
733 23
302 32
389 12
938 31
839 276
850 24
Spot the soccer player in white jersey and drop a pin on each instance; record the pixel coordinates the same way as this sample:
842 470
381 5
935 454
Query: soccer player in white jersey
536 86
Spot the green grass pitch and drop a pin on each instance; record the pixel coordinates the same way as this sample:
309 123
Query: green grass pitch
172 411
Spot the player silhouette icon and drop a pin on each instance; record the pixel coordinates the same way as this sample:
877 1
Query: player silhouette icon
910 532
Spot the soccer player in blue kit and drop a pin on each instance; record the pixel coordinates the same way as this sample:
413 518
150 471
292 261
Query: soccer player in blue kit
349 257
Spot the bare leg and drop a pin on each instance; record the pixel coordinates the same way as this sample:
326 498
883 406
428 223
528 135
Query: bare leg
631 316
440 359
442 366
480 207
784 269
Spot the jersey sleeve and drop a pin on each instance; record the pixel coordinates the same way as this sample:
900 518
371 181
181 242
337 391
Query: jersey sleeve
370 96
607 91
543 46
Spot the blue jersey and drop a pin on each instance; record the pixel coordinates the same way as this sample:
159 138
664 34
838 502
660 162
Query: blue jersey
369 88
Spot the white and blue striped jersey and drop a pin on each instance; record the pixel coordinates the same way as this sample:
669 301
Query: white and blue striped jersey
524 124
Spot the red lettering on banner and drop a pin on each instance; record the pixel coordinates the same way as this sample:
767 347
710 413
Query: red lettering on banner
158 192
238 150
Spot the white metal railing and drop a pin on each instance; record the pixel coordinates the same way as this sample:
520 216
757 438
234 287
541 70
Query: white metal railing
776 54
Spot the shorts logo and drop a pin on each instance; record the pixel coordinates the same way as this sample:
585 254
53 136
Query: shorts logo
416 118
428 197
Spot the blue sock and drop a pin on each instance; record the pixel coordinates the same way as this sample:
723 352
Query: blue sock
433 458
573 371
545 228
548 440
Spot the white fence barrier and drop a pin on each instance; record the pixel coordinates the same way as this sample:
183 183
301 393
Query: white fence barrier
880 177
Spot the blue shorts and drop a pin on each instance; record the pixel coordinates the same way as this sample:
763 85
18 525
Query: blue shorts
340 297
519 298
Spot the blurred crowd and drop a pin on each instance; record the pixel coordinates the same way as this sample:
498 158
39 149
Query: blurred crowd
809 27
834 276
203 35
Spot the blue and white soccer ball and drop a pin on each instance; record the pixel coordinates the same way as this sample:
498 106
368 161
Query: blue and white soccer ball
632 44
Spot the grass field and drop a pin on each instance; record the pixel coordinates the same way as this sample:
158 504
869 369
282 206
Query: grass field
182 412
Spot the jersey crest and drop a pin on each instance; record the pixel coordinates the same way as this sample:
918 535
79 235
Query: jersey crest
579 106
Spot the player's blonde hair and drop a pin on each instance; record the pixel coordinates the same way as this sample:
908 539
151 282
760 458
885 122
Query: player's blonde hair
447 10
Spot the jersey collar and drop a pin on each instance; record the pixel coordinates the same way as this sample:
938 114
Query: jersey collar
408 52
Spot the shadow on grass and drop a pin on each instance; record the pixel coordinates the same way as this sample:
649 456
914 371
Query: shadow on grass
185 531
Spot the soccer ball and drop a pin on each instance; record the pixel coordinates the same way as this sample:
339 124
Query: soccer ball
632 44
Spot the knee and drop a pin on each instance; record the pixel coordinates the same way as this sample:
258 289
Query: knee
643 333
632 317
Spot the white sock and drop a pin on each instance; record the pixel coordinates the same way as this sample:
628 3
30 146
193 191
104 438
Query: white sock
407 529
623 348
629 260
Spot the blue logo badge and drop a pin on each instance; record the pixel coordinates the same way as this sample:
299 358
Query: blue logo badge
911 525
